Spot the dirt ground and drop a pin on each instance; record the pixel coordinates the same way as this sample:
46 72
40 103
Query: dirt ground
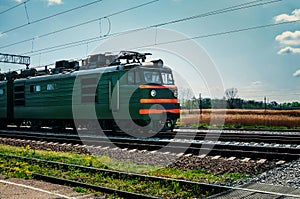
15 188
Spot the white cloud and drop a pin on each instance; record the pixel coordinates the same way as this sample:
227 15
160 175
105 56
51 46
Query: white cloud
297 73
285 17
256 83
288 50
53 2
289 38
19 1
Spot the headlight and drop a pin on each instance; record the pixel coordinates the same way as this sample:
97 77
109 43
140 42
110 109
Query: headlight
153 93
175 93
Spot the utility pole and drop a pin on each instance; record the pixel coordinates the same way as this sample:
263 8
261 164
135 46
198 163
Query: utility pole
265 103
200 104
200 109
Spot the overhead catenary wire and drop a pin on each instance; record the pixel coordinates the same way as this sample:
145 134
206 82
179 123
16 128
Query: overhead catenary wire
229 32
216 12
51 16
219 11
94 39
13 7
84 42
81 24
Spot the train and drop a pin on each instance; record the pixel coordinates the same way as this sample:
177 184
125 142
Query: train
104 87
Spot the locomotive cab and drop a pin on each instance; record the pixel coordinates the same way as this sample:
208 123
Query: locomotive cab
156 97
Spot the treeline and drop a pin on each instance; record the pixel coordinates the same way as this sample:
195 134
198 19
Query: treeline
237 103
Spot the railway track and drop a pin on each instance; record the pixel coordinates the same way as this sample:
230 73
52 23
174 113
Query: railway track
183 143
225 148
200 187
278 137
281 137
253 190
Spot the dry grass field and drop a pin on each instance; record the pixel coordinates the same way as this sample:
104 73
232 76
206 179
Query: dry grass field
242 118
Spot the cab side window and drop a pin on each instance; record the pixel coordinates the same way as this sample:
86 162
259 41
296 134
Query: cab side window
133 77
130 77
137 77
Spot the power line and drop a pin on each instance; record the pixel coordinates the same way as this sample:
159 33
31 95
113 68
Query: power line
219 11
216 12
229 32
14 7
51 16
80 24
94 39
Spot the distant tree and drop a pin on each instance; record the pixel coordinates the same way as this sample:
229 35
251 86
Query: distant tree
206 103
230 95
273 105
238 103
295 105
218 103
289 105
185 95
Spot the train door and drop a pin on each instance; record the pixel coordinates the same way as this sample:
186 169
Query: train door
10 100
114 88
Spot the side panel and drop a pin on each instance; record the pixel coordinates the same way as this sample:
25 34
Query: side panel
3 100
10 100
47 99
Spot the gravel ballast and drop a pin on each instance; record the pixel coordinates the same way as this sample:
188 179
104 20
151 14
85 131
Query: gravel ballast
285 175
264 172
208 163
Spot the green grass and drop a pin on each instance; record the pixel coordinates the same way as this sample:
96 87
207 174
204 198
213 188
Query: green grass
16 168
19 168
198 175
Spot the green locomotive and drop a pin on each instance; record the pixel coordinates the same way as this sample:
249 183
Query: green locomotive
138 91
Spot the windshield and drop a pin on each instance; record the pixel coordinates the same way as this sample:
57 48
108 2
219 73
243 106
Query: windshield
152 77
156 77
167 78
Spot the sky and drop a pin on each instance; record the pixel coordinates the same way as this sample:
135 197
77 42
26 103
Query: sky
243 44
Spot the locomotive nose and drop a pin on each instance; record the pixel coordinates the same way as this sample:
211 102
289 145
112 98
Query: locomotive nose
164 102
